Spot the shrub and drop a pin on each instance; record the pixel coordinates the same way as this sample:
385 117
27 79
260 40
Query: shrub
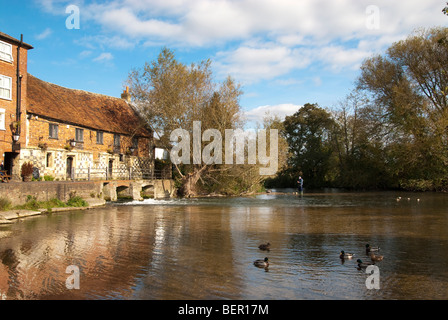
77 202
48 178
5 204
32 204
420 185
27 169
55 203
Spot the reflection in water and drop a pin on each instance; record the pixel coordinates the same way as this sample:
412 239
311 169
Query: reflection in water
204 249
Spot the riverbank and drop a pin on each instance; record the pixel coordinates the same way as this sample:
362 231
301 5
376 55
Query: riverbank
8 217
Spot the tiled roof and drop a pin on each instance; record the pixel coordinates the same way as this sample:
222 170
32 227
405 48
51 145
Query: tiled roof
85 109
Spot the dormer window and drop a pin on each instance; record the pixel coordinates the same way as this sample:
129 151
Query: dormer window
6 52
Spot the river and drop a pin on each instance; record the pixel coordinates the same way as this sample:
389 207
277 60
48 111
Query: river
204 249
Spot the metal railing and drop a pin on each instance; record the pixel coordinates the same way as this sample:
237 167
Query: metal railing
120 173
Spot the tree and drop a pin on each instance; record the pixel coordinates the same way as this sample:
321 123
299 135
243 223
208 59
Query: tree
408 87
171 95
274 122
358 143
283 178
445 10
309 135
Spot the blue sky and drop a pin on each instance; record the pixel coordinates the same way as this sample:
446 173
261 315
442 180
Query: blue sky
284 53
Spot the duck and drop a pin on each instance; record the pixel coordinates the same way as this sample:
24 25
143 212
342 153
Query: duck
371 249
374 257
264 246
363 265
346 255
262 263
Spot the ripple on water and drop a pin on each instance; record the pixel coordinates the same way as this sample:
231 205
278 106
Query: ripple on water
205 248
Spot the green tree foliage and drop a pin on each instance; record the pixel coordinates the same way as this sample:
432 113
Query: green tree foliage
408 87
391 131
309 133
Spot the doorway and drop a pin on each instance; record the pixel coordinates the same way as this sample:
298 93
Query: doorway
110 169
70 173
10 161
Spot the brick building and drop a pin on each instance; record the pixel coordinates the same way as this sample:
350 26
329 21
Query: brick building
67 133
13 97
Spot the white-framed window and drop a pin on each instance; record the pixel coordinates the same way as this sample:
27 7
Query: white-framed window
5 87
6 52
2 119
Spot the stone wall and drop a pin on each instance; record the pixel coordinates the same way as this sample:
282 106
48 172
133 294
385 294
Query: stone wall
18 193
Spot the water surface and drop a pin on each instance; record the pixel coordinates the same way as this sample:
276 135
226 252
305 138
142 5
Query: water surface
205 248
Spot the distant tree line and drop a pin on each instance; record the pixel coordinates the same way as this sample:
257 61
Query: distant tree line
390 132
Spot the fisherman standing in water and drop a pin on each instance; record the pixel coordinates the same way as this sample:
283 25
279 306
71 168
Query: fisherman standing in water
300 186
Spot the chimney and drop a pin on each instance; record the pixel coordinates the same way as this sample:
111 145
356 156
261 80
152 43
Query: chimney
126 95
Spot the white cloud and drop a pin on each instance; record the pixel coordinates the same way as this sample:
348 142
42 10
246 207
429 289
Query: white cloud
289 81
289 22
104 57
270 61
127 22
205 22
338 57
45 34
289 34
251 64
103 42
281 110
85 54
317 81
52 6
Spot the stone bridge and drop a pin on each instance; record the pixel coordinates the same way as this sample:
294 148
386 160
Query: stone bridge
112 189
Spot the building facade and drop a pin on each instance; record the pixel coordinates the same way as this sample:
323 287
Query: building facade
13 98
70 134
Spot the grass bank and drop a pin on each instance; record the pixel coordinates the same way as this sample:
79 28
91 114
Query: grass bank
32 204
